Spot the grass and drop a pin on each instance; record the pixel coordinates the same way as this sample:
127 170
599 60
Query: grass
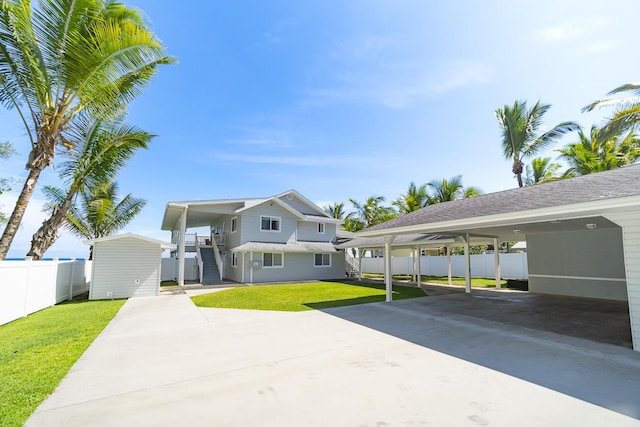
168 283
37 351
303 296
478 282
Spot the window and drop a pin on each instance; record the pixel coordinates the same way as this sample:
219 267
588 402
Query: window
321 228
269 223
234 259
273 260
234 224
322 260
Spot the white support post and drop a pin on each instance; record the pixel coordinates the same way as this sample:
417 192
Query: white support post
419 266
467 265
360 253
449 265
496 262
387 268
181 244
413 264
251 267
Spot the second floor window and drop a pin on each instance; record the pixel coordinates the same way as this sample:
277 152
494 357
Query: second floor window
321 228
269 223
234 224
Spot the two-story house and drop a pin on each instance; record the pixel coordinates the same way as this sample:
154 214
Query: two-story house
279 238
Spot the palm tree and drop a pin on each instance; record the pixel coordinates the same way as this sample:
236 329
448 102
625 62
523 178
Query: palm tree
450 189
597 152
6 151
100 213
100 149
520 138
369 213
627 109
541 170
61 58
335 211
415 198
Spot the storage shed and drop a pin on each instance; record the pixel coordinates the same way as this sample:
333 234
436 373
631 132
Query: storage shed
126 265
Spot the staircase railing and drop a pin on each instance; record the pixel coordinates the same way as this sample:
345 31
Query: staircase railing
199 255
353 265
216 254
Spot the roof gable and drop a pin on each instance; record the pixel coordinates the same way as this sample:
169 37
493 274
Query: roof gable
163 245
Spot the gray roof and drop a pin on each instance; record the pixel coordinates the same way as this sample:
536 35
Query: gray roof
617 183
405 240
292 247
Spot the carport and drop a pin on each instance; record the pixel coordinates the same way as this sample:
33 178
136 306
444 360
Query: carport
583 234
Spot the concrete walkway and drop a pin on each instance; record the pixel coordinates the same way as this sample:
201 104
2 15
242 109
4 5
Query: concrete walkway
164 362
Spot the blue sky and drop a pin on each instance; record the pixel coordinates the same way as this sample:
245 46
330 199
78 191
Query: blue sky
348 99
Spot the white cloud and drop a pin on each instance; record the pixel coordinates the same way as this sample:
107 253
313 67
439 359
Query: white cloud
600 47
570 30
402 85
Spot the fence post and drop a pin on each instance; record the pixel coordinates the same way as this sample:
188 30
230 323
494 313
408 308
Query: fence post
73 264
29 260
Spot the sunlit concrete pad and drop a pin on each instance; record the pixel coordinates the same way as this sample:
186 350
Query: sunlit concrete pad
372 364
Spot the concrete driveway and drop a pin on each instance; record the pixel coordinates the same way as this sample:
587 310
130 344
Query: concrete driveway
164 362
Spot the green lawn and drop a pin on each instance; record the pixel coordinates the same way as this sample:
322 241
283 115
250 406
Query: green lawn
478 282
37 351
302 296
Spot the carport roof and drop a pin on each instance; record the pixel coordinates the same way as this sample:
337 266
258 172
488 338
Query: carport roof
601 188
407 241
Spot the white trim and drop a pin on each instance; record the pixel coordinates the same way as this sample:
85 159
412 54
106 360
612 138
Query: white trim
604 279
273 266
318 227
234 224
323 265
234 260
271 218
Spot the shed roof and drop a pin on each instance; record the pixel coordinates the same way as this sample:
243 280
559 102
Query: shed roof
163 245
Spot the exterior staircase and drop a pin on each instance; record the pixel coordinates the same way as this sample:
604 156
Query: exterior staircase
210 273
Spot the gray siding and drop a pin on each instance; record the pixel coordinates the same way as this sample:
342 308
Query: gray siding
308 232
250 227
586 263
127 267
299 205
298 266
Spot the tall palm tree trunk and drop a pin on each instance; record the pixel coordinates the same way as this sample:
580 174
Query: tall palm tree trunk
47 234
11 228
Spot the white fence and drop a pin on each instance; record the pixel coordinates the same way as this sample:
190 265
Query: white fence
512 266
169 269
29 286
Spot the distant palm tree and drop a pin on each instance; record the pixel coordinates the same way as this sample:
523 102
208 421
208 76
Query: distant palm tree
520 127
541 170
100 213
596 153
450 189
415 198
369 213
335 211
627 109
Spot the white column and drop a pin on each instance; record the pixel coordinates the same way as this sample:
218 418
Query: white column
467 265
413 264
251 267
360 253
419 266
496 262
181 244
449 264
387 268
